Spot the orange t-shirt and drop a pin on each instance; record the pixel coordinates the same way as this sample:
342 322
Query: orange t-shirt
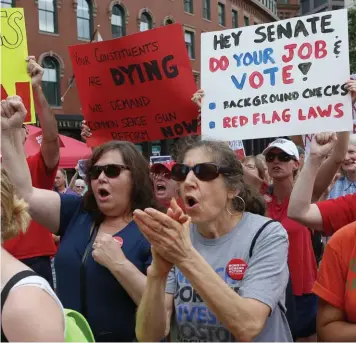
336 282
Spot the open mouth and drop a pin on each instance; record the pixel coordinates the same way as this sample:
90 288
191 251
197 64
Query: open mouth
103 193
276 168
160 188
191 201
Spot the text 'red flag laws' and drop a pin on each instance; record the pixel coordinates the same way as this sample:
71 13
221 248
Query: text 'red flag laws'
136 88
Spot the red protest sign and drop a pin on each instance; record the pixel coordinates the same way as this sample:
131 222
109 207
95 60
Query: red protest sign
136 88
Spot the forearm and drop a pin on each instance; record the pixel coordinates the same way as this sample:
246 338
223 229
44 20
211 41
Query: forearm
337 332
151 315
14 161
50 139
301 197
330 167
233 311
72 181
130 278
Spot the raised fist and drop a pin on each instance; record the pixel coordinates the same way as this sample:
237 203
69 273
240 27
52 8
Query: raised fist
35 71
13 113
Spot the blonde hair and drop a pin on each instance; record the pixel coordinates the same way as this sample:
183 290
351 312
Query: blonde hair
14 211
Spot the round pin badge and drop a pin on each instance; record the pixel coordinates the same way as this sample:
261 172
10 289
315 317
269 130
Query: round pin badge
119 240
236 268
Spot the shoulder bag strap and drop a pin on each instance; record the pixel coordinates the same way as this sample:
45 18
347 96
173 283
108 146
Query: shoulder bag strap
93 233
6 290
257 234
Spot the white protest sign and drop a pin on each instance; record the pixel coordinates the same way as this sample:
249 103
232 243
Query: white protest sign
283 78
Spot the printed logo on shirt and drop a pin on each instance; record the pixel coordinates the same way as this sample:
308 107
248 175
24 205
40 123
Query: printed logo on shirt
195 321
236 268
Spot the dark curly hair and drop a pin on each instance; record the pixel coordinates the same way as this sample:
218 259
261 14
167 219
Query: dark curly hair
222 155
142 195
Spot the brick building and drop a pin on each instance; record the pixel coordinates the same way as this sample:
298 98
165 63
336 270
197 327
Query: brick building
53 25
288 8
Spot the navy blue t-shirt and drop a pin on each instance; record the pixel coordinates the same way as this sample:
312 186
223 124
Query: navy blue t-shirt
110 310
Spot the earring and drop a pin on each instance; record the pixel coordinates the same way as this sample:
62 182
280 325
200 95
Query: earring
244 206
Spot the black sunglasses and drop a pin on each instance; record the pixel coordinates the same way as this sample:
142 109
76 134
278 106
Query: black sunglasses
160 169
203 171
282 157
110 170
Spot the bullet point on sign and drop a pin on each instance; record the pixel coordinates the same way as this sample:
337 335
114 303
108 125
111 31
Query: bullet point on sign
212 106
212 124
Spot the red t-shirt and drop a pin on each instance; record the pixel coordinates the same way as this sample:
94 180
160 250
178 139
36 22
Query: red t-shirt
337 213
37 241
337 275
301 258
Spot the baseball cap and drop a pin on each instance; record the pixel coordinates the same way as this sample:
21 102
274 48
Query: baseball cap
285 145
157 168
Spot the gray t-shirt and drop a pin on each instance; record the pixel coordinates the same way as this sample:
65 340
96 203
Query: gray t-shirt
265 279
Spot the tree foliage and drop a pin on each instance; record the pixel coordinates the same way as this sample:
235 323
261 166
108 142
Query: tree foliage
352 39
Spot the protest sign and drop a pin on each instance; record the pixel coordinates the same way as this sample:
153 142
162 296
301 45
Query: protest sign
136 88
238 147
13 48
277 78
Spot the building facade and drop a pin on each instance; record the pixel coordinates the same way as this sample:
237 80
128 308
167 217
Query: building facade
288 8
53 25
317 6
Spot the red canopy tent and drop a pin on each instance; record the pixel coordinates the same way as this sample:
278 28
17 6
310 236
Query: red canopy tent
71 150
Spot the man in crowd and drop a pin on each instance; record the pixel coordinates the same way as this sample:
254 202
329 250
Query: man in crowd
36 246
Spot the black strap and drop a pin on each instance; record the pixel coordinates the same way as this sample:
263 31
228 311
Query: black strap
6 290
257 234
83 290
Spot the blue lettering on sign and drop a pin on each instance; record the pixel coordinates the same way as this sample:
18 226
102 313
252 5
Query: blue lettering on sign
272 72
256 58
239 85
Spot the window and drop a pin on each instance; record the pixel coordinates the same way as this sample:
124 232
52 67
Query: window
47 15
118 22
247 21
84 19
50 81
7 3
206 9
188 6
146 22
235 19
221 13
168 22
189 43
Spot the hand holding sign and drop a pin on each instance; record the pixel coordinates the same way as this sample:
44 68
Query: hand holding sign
351 87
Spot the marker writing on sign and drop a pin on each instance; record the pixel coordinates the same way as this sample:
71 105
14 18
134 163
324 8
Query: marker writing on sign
148 71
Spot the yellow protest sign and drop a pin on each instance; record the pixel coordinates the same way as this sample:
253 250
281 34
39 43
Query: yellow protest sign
13 49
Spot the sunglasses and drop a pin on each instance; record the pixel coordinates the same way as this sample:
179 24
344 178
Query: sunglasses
282 157
203 171
160 169
110 170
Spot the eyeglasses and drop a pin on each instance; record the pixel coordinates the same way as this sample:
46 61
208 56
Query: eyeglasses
160 169
282 157
203 171
110 170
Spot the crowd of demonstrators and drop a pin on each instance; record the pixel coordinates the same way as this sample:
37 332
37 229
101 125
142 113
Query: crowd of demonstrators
226 214
22 289
186 244
60 183
36 247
